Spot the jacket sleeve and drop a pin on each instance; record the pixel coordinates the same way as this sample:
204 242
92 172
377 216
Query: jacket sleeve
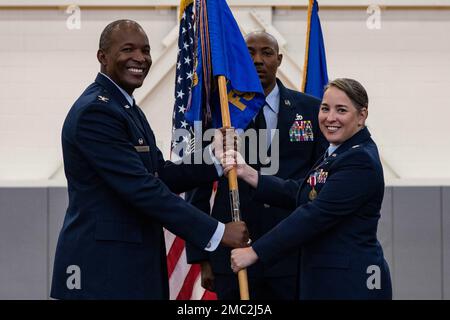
276 191
102 138
352 185
196 169
199 198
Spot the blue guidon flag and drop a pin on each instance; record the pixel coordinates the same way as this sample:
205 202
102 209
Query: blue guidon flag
221 50
315 76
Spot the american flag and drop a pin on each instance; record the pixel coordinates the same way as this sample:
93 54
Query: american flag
184 279
183 81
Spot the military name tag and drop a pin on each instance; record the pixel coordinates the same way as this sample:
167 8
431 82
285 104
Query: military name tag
142 148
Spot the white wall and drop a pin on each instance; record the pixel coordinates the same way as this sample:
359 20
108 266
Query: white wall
45 67
404 65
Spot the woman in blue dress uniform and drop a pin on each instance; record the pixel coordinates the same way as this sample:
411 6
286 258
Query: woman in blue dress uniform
336 207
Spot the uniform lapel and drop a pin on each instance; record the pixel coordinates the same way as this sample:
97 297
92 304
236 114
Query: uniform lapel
358 138
286 115
118 96
326 160
135 114
150 137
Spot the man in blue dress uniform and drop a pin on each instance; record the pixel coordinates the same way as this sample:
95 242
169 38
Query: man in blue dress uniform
111 245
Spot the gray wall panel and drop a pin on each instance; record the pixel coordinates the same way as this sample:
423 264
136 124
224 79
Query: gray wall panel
414 231
417 243
385 228
23 243
446 241
57 206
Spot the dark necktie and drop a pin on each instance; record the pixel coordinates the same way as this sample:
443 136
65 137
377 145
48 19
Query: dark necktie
260 119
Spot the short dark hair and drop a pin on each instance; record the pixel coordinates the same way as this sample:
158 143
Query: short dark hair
353 89
105 37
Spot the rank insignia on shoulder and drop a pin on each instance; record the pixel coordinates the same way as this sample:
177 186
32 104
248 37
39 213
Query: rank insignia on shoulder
356 146
301 130
103 98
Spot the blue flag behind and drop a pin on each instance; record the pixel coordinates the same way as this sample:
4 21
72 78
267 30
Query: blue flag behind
315 75
223 49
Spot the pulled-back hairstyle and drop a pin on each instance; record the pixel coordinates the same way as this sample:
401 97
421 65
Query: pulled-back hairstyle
353 89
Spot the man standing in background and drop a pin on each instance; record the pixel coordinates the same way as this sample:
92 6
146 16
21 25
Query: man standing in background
294 115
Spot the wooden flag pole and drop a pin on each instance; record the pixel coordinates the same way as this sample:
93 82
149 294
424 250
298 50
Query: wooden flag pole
232 182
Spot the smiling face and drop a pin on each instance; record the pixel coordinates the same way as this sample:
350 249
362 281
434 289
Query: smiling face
126 60
339 119
263 49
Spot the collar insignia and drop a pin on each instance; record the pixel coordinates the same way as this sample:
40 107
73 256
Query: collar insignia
103 98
